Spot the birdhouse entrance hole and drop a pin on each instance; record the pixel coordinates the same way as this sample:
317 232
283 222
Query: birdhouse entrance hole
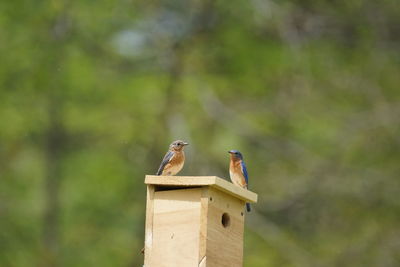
225 220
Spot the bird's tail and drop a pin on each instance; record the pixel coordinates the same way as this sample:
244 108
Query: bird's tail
248 207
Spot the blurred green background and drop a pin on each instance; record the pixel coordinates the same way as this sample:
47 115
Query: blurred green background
93 92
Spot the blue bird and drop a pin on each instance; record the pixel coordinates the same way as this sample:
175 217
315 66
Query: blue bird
238 171
173 161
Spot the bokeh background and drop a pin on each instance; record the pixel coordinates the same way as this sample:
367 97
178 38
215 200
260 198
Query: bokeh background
93 92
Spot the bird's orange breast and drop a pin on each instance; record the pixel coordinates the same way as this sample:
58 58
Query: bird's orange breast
175 164
178 158
235 166
236 174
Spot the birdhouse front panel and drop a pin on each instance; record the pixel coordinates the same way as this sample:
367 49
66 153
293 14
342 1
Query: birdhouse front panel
225 227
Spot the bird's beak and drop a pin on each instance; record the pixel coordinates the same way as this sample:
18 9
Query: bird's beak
185 144
230 152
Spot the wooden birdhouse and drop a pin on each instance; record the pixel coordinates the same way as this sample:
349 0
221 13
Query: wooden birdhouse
194 221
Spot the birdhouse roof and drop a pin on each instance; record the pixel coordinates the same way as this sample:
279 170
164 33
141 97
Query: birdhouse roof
200 181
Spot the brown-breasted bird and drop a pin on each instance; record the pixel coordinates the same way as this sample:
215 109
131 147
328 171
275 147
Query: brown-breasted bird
173 161
238 171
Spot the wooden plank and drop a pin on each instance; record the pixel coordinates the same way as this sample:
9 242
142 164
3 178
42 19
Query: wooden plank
176 227
148 243
203 225
180 180
236 191
225 243
212 181
203 262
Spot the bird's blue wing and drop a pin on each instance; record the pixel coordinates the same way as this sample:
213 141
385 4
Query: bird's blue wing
164 162
244 170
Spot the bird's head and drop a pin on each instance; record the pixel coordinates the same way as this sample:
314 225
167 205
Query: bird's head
177 145
235 154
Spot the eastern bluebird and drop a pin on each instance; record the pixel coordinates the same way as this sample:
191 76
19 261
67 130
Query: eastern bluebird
238 171
173 161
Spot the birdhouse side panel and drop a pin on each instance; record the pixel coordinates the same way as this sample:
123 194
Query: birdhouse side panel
176 226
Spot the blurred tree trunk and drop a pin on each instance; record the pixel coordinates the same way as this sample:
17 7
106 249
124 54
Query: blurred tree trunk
55 139
55 136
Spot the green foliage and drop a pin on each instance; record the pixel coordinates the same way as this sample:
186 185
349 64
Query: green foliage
91 94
